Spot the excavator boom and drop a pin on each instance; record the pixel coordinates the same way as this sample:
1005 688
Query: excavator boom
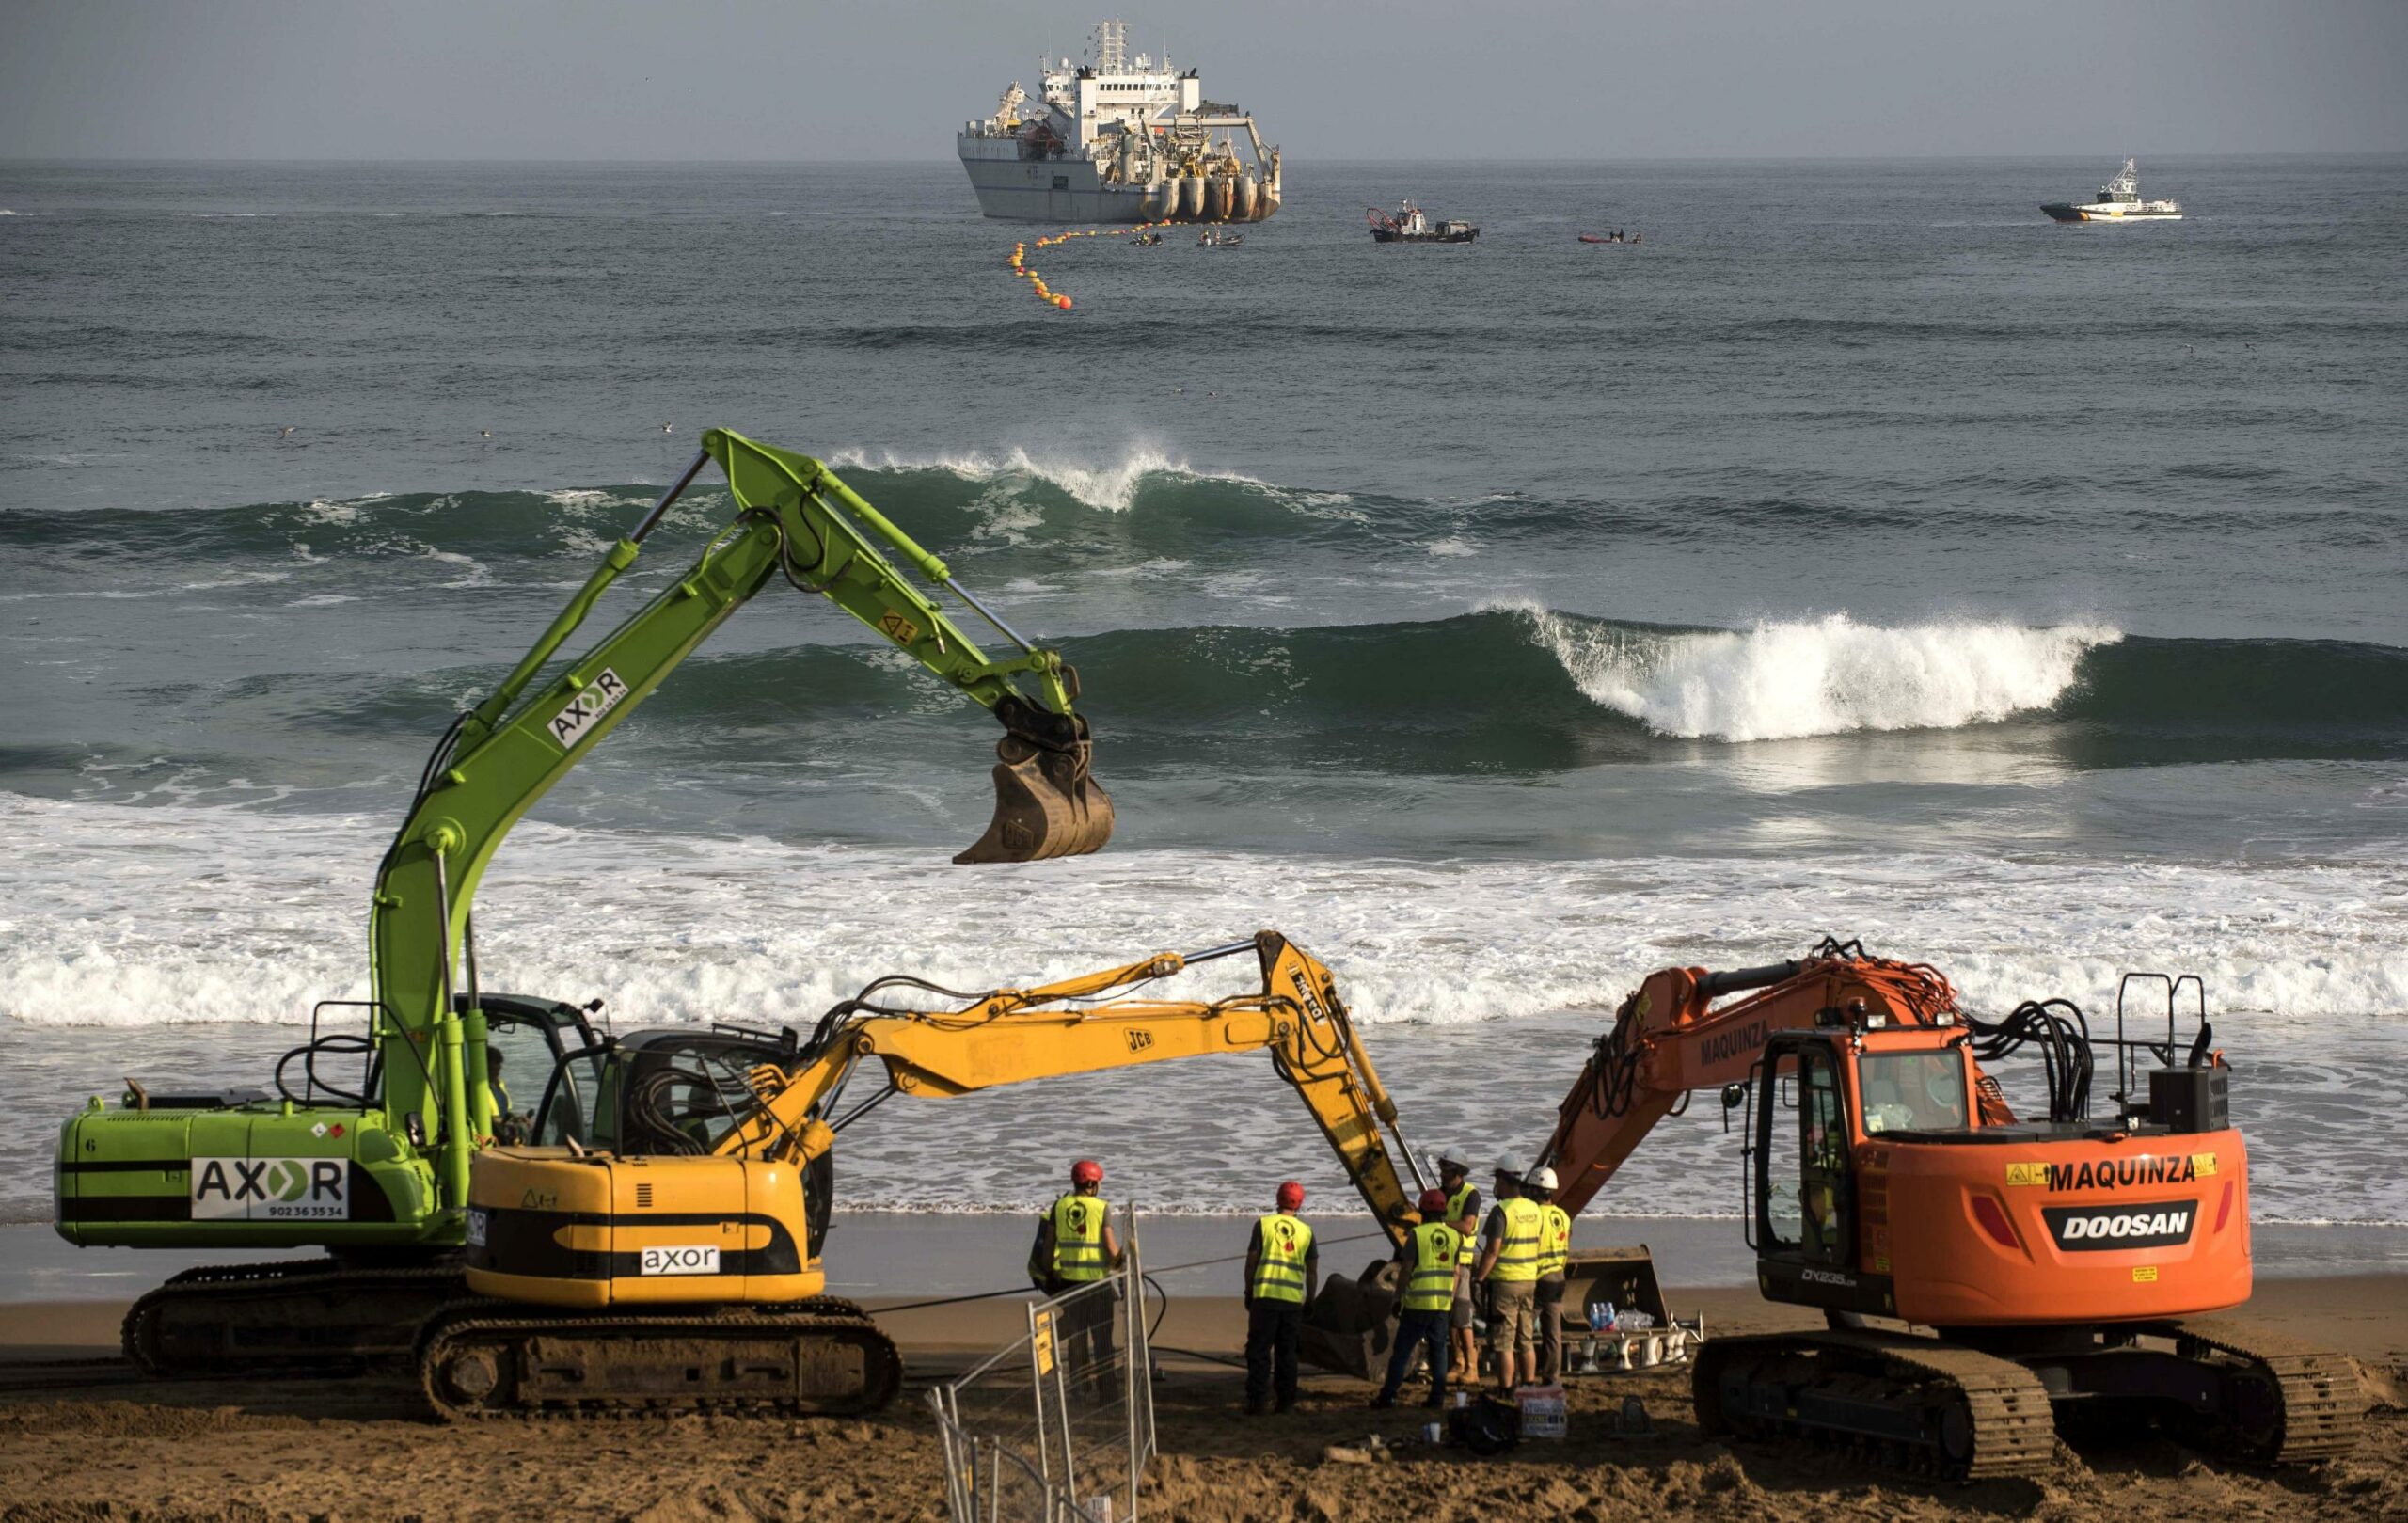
1669 1039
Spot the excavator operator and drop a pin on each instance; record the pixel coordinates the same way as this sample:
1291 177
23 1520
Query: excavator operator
1076 1247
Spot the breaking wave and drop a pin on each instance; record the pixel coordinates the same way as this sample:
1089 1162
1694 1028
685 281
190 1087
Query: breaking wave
1825 676
1513 690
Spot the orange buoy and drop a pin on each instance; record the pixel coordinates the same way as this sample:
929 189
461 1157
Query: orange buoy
1063 302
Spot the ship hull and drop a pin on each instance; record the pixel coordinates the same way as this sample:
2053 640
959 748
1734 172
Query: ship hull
1013 189
2065 211
1056 190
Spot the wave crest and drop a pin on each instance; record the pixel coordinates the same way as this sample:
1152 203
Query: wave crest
1779 681
1112 488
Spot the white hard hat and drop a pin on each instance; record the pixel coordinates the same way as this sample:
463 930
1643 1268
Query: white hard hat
1510 1164
1455 1156
1544 1179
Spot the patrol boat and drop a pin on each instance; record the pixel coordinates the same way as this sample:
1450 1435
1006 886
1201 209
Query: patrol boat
1118 139
2120 200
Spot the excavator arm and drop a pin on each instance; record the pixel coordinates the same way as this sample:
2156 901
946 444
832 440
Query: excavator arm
794 519
1012 1035
1670 1038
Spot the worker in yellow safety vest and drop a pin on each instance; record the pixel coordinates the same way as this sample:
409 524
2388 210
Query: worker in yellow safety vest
1076 1247
1463 1213
1555 1246
1509 1267
1282 1273
1428 1261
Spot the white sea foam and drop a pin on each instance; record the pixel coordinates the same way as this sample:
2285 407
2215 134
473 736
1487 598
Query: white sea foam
1822 676
1112 488
118 915
144 919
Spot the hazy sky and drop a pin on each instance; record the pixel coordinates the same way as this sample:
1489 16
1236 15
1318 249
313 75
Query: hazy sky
616 79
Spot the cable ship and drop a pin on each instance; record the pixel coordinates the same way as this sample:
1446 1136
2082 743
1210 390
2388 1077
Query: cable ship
1118 139
2120 200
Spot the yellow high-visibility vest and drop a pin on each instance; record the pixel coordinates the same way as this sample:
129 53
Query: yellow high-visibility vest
1517 1258
1078 1238
1281 1241
1458 1207
1555 1240
1431 1287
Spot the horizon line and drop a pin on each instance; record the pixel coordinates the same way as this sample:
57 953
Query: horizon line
1339 159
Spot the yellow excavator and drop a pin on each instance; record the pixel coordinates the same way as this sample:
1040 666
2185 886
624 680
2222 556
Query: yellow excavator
672 1256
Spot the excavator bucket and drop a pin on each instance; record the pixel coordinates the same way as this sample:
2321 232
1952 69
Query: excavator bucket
1047 803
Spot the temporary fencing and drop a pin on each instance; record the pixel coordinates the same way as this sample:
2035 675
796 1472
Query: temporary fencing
1057 1427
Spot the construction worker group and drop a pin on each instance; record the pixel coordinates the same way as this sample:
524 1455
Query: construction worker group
1509 1268
1454 1265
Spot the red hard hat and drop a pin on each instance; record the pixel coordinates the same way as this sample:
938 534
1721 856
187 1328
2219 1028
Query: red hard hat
1292 1196
1086 1171
1433 1204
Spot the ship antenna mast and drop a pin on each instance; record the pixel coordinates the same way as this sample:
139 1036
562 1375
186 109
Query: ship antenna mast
1111 47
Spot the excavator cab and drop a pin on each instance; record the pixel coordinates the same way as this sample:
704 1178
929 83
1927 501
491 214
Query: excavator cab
1883 1182
1814 1099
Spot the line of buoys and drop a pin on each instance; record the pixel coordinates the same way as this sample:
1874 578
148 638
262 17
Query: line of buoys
1019 266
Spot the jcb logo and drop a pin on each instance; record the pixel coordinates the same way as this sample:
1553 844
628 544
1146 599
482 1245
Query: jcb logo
1140 1040
270 1189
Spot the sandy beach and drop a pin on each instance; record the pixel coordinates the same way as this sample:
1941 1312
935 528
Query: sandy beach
81 1437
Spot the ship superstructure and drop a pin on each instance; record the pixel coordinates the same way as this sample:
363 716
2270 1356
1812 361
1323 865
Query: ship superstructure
2120 200
1118 139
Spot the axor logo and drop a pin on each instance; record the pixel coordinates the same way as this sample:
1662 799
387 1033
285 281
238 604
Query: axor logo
2097 1229
681 1260
270 1189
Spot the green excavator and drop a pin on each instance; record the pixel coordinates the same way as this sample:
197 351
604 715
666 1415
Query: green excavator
364 1149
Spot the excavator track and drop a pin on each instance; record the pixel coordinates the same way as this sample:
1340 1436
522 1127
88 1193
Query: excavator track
2303 1404
1915 1405
483 1358
292 1317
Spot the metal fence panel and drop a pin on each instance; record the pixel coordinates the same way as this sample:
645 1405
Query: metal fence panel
1058 1427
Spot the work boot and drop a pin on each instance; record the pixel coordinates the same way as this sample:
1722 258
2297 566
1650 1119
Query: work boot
1253 1406
1383 1402
1285 1404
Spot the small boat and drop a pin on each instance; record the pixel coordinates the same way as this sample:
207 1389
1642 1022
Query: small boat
2120 200
1409 224
1149 240
1608 238
1215 238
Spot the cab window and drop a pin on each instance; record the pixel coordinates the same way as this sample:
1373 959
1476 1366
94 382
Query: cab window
1913 1091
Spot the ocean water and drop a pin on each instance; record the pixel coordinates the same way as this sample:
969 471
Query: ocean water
1862 553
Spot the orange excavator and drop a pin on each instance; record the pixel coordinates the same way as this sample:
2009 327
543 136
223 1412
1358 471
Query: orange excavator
1980 1273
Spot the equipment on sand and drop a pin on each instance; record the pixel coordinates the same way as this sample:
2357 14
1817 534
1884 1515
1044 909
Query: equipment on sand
373 1163
679 1263
2061 1263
